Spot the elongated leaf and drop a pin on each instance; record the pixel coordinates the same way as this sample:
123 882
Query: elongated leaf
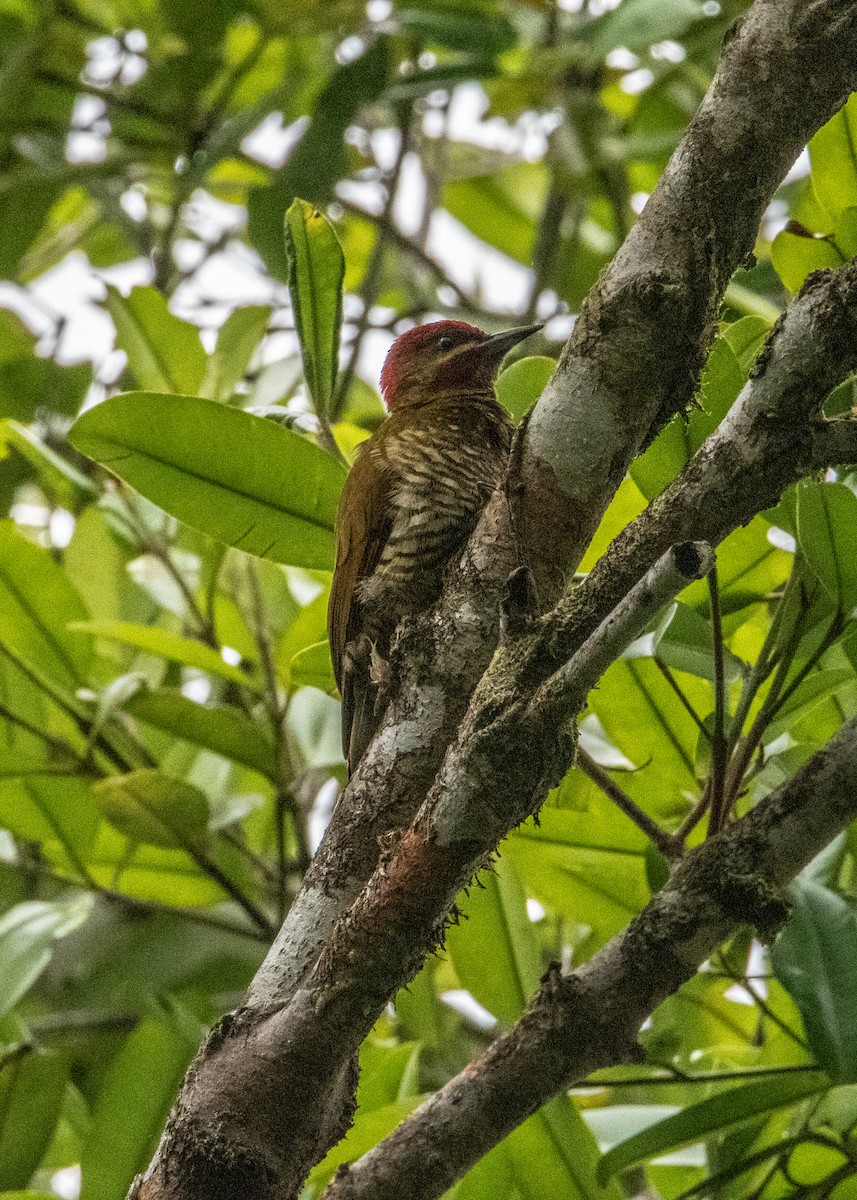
36 602
833 157
814 959
241 479
219 728
494 949
719 1113
241 333
164 352
168 645
826 521
637 708
27 934
319 159
554 1156
149 807
814 689
589 865
684 641
57 811
312 667
316 271
521 384
138 1088
31 1095
638 23
368 1129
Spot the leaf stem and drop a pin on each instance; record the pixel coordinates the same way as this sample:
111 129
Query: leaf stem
667 843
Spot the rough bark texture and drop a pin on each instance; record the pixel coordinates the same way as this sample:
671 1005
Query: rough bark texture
582 1022
638 348
273 1087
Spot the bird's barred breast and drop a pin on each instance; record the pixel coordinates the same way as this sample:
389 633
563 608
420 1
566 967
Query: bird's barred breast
441 479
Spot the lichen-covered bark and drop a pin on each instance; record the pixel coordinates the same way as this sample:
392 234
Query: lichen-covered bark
588 1020
273 1087
635 355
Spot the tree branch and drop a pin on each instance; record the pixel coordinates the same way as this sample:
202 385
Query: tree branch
637 350
589 1020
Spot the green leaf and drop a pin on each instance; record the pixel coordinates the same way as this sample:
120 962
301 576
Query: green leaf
627 503
663 460
31 1095
794 256
826 520
319 159
637 24
814 960
58 812
833 159
137 1090
368 1129
639 712
316 271
746 338
149 807
27 934
494 948
589 865
220 728
172 646
554 1156
513 197
312 667
684 641
30 383
150 872
816 688
241 479
521 384
62 482
239 336
36 603
719 1113
164 353
475 28
387 1073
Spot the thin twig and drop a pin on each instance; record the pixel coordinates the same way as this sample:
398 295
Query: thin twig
284 800
714 1077
369 286
679 691
669 846
718 808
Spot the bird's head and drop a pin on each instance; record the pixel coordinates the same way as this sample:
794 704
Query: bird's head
443 357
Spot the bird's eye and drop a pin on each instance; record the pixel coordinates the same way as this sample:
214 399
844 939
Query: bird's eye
445 343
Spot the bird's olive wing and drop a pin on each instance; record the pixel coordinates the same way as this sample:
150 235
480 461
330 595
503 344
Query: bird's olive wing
362 528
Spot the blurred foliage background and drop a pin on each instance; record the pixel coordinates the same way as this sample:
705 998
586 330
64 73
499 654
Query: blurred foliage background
169 745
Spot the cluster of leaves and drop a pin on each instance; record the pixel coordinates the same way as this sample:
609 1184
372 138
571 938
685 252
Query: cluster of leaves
168 727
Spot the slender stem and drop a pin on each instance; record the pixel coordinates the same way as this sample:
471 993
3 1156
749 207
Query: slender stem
57 744
762 667
284 800
714 1077
669 846
369 286
718 739
161 551
762 1004
150 907
680 693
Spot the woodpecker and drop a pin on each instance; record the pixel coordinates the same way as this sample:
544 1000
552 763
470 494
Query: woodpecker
411 500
